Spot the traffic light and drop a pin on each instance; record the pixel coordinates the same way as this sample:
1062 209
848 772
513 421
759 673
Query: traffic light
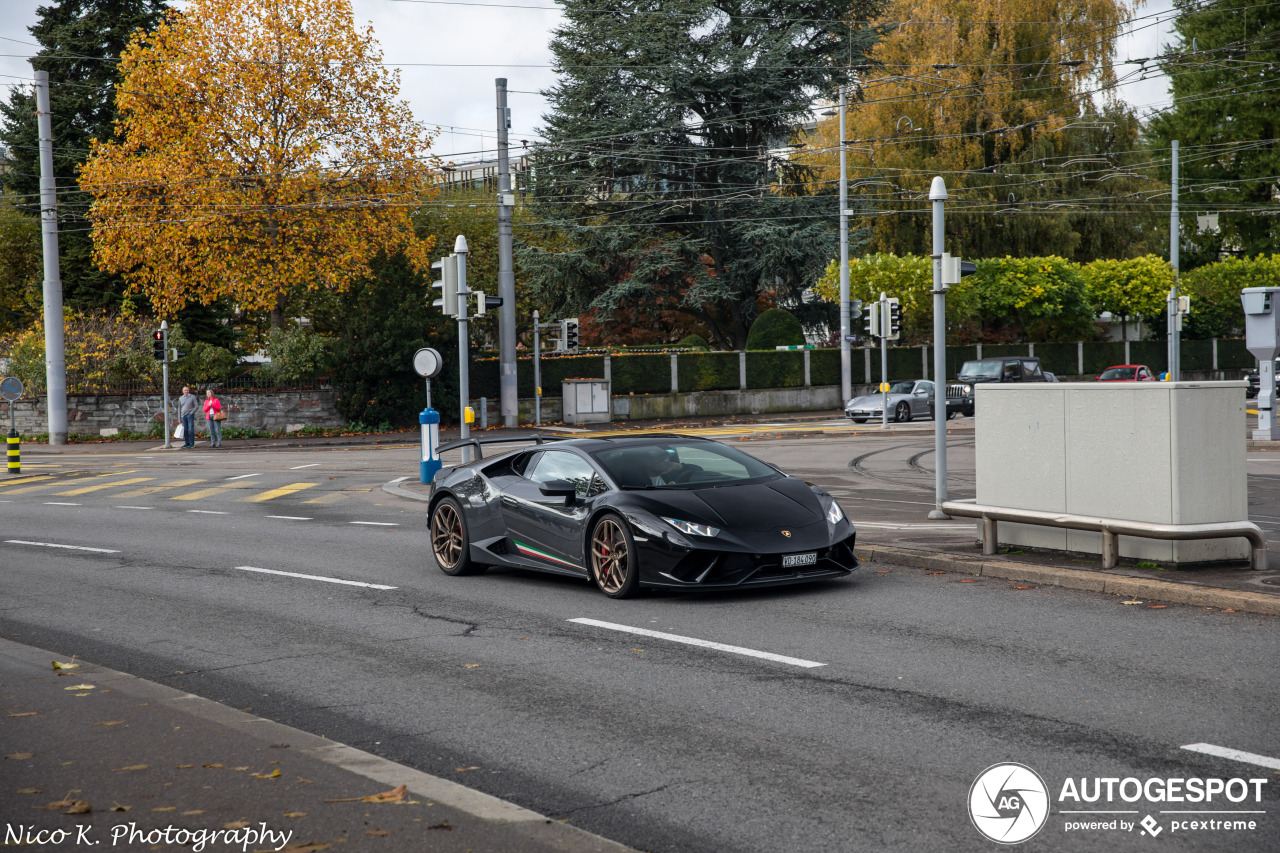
485 303
174 355
157 344
871 320
895 320
569 334
447 285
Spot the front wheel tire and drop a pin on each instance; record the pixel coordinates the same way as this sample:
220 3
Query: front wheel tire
450 542
903 413
613 558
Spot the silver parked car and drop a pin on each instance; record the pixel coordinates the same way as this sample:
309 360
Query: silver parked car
906 400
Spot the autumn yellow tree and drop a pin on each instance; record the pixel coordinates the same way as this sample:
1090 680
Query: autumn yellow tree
261 151
986 93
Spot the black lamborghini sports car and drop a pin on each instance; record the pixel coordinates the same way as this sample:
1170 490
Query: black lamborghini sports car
638 511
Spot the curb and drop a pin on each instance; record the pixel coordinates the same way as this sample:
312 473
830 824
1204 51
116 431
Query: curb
1175 593
393 488
475 803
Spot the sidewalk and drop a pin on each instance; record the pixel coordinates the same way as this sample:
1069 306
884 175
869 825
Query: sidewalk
97 756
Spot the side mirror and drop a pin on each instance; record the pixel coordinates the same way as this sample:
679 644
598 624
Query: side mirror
559 489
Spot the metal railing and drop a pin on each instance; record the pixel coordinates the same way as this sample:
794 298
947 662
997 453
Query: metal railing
1110 528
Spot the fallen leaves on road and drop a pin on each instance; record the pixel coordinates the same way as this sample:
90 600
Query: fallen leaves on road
185 766
81 687
25 714
110 723
377 833
395 795
464 769
272 775
969 580
1131 601
236 824
212 765
307 847
194 812
68 665
68 805
130 767
1024 587
165 809
1156 606
295 814
939 572
19 756
31 790
116 807
882 572
470 666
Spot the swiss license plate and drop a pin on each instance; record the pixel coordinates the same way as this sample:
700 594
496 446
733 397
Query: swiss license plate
789 560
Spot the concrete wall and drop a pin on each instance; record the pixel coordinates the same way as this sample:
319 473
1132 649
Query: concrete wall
275 411
1163 452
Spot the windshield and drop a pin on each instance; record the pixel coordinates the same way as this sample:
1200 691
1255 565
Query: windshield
901 387
980 370
1119 373
681 465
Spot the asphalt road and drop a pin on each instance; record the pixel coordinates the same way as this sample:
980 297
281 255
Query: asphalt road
924 681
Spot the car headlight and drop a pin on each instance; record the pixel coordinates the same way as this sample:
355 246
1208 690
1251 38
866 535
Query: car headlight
835 513
691 528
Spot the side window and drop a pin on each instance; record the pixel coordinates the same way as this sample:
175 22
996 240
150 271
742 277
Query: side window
927 387
526 463
1031 368
559 465
1012 372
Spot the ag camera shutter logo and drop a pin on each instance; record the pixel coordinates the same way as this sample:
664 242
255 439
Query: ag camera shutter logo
1008 803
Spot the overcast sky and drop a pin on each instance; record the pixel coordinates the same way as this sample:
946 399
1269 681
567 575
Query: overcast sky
450 52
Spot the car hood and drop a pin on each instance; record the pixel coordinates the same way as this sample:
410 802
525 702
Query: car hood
870 400
785 502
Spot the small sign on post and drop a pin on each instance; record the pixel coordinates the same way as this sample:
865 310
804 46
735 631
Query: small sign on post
427 364
10 392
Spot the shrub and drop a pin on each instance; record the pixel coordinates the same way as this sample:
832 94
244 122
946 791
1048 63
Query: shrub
775 328
694 342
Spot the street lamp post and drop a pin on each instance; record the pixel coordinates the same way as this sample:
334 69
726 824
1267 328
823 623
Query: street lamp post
846 378
938 195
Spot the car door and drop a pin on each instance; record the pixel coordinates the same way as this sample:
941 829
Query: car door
921 399
545 529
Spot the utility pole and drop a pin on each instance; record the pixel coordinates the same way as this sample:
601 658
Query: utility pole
55 356
938 195
508 400
846 370
1175 333
164 379
884 360
464 351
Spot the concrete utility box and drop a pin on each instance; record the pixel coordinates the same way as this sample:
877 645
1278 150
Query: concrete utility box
1162 452
586 401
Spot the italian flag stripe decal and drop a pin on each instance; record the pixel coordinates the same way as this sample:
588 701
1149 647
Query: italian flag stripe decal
534 552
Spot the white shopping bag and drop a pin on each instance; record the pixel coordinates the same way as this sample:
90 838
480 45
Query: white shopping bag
178 433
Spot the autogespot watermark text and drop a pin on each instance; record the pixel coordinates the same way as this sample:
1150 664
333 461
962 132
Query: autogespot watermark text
131 835
1009 803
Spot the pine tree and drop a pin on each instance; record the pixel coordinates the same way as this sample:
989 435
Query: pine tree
1222 79
81 41
663 175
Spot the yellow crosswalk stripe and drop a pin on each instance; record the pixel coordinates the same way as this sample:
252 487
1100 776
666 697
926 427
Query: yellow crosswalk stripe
280 492
38 487
151 490
84 490
7 483
219 489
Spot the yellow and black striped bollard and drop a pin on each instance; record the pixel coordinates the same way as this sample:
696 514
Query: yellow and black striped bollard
15 453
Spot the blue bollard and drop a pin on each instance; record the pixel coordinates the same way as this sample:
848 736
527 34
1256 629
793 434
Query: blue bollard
430 420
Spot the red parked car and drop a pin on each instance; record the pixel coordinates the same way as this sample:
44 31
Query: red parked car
1127 373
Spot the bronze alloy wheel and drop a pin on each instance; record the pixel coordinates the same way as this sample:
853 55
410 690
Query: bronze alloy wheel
449 541
612 563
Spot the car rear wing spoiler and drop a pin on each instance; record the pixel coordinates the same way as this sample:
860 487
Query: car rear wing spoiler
478 443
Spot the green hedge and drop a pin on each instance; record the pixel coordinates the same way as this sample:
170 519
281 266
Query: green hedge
1060 359
824 366
776 369
1154 354
1233 355
710 371
639 374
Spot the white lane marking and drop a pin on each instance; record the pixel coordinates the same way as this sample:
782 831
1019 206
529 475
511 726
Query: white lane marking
242 476
966 528
135 507
1235 755
375 523
58 503
400 479
206 511
706 644
849 496
291 517
296 467
56 545
313 577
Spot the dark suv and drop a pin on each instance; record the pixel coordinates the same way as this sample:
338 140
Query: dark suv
1020 368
